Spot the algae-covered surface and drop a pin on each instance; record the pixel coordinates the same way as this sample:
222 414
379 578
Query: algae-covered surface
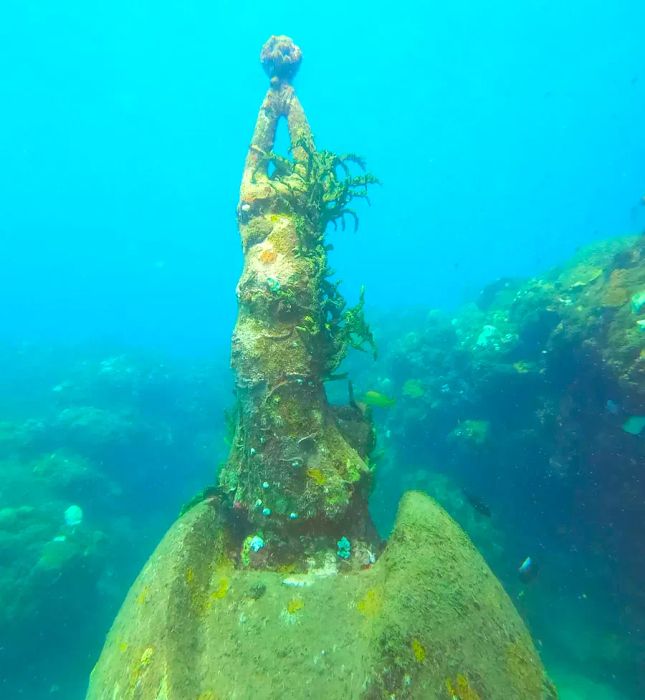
428 620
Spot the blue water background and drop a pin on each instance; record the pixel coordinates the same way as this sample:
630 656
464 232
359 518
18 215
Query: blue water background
506 134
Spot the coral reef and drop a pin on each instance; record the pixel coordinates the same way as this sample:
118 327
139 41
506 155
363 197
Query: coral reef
560 380
533 398
76 506
560 460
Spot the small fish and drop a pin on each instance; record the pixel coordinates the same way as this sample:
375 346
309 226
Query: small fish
490 291
378 400
477 504
612 407
528 570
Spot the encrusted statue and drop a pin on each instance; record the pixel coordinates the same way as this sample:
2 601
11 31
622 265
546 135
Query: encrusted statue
274 584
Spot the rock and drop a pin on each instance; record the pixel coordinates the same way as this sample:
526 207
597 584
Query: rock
428 616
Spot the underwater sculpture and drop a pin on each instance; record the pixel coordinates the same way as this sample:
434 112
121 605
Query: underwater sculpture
274 585
293 327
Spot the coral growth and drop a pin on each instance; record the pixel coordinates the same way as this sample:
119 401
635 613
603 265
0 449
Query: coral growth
77 450
533 402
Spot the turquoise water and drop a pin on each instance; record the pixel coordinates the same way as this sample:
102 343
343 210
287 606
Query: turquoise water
506 136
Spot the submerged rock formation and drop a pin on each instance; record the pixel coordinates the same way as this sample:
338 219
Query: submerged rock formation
428 620
79 427
272 586
532 402
541 384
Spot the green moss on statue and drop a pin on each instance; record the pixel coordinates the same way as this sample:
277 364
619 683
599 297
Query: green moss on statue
294 329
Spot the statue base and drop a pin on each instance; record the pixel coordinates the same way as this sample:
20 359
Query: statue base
427 620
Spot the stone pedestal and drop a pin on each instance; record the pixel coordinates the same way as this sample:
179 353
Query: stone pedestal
427 620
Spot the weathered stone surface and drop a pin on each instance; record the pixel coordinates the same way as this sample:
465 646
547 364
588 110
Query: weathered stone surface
427 617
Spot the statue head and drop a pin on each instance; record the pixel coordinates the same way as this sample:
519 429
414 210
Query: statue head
280 58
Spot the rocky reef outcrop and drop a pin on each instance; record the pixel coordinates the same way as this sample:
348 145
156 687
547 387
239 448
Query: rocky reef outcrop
532 399
93 456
